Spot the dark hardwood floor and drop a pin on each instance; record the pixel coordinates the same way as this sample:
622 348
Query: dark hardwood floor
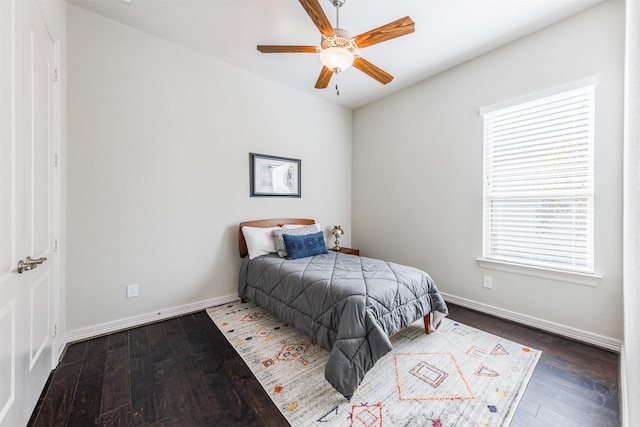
574 384
183 372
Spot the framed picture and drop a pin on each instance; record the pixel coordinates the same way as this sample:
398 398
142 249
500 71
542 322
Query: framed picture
273 176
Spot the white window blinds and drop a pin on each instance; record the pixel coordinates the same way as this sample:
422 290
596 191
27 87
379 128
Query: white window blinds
538 182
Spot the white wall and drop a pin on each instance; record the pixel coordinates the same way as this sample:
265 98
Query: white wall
422 149
629 362
158 170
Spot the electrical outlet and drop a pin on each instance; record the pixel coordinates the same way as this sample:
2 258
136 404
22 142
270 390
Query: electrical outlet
487 282
132 290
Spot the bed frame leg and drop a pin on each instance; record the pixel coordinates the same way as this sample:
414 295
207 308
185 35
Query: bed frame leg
427 323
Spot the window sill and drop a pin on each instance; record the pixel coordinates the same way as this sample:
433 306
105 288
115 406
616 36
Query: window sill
545 273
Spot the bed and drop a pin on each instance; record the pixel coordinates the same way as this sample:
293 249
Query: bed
349 305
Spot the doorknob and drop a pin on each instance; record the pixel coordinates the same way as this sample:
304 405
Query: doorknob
29 264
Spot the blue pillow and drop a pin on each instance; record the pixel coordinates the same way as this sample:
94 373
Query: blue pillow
305 245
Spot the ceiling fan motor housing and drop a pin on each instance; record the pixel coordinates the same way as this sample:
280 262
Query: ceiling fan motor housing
342 39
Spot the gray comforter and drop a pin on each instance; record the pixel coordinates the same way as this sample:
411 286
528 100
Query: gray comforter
349 305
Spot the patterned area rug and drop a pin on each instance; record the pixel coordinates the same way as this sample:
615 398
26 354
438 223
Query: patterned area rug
455 376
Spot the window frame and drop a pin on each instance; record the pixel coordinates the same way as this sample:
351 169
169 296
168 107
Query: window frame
581 276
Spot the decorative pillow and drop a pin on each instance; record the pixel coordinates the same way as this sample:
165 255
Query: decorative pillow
259 240
297 231
305 245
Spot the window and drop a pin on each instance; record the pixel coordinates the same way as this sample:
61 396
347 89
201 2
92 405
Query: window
538 182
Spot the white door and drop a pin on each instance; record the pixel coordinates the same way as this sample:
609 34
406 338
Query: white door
27 94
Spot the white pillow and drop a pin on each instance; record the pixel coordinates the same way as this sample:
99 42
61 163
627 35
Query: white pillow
259 240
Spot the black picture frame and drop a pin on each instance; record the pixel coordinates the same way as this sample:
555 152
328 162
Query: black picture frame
274 176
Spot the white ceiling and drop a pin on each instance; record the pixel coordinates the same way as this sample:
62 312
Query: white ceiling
447 33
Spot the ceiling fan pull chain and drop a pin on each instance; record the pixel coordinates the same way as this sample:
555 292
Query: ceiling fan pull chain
337 90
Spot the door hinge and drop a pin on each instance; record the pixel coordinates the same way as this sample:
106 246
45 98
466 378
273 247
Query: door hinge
54 161
55 330
55 245
56 77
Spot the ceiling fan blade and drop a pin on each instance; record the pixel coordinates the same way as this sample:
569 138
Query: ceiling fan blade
324 78
315 12
287 49
372 71
397 28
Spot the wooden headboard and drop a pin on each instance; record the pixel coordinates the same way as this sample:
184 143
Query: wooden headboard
242 244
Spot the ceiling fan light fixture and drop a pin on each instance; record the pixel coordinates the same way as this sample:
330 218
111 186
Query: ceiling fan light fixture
337 59
337 51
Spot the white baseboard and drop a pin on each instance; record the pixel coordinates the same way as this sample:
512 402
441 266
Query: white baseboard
556 328
142 319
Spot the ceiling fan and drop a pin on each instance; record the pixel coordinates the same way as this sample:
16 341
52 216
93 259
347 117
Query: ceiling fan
337 47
